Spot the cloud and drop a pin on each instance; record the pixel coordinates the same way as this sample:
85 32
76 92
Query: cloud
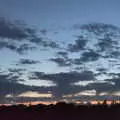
112 93
86 83
87 56
9 86
14 35
82 52
99 28
12 30
77 61
64 81
34 94
83 93
62 62
65 77
86 93
39 83
59 84
106 43
100 87
41 42
4 44
62 54
79 45
116 93
101 70
90 56
28 61
15 70
22 49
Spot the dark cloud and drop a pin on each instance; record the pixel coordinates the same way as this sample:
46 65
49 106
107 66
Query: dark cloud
11 33
116 81
100 28
10 46
9 86
109 85
79 45
77 61
37 40
101 87
101 70
64 80
24 48
90 56
45 43
62 54
62 62
67 77
18 71
28 61
12 30
53 44
106 43
115 54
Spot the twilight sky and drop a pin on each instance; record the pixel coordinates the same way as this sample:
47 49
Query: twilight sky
59 49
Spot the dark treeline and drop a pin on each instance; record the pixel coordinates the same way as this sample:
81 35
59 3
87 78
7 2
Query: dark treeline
60 111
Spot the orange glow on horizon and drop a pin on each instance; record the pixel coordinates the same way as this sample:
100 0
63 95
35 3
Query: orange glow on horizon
93 102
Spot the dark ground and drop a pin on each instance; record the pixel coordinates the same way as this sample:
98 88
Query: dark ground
60 111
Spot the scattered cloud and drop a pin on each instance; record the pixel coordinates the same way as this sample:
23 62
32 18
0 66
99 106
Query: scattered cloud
96 52
62 54
106 44
79 45
24 48
62 62
9 86
90 56
14 35
99 28
28 61
12 30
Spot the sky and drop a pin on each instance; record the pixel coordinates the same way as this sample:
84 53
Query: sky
59 49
